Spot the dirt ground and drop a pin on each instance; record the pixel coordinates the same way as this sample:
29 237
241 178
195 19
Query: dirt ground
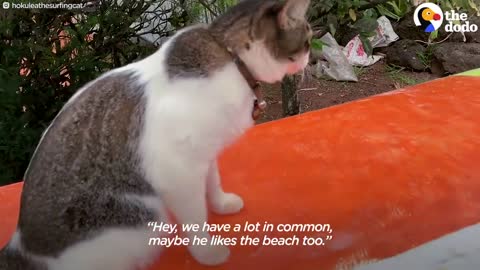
316 94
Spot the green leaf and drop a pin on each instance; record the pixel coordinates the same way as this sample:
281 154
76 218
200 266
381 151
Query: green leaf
386 12
352 14
449 5
366 24
367 45
395 7
332 23
370 13
404 6
363 3
369 34
433 35
317 44
474 7
332 28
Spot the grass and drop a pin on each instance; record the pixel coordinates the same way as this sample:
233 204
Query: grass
396 74
359 71
426 57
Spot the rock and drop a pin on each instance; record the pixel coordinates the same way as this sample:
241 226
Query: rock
457 57
436 68
406 53
474 37
406 29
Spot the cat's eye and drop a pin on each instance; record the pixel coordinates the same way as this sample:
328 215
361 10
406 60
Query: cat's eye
291 59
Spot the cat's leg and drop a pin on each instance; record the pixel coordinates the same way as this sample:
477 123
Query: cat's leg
184 193
221 202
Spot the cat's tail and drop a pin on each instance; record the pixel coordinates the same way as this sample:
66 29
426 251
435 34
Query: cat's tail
13 259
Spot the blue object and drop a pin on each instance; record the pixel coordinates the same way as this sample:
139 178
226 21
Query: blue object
430 28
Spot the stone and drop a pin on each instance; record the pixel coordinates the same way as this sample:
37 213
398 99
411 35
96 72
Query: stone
456 57
406 29
407 53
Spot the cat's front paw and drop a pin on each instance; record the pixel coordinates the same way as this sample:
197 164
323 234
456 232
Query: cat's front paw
210 255
228 203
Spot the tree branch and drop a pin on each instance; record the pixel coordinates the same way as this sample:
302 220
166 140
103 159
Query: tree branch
207 6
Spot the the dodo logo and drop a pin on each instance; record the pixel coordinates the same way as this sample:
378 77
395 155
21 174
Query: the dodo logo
428 16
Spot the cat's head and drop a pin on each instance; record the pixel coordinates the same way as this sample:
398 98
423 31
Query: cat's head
272 37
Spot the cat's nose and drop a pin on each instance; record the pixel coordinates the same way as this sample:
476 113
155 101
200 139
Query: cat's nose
298 65
293 68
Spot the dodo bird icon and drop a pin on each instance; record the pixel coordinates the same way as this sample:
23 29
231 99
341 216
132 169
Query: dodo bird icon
428 17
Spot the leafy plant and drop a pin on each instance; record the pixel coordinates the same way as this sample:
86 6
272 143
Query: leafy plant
45 57
334 14
396 9
317 44
355 15
366 28
427 57
470 6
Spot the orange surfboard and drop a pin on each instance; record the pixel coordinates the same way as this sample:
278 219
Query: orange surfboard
387 175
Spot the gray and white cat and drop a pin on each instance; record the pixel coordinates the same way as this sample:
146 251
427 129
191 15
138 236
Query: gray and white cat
141 142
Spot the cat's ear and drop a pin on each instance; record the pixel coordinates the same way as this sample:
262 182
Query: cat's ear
293 11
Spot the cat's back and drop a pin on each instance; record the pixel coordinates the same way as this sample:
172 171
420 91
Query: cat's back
90 145
97 127
85 163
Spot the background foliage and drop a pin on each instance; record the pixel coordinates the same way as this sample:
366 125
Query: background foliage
46 55
340 17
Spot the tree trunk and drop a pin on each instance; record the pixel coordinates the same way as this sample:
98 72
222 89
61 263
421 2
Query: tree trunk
289 95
